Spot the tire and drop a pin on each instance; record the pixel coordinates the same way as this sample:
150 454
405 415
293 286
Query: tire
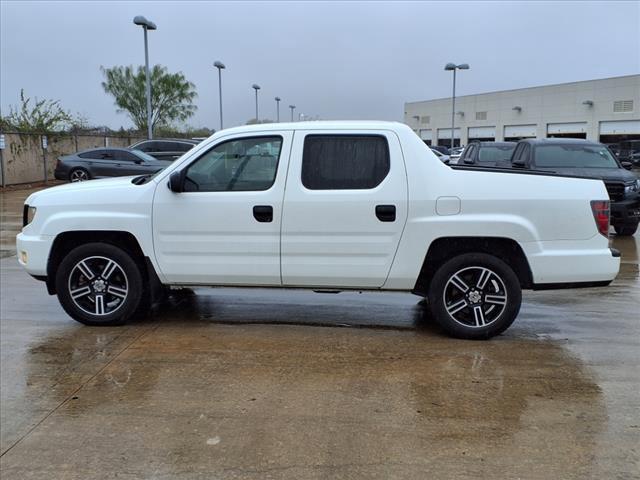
626 230
487 307
79 175
101 284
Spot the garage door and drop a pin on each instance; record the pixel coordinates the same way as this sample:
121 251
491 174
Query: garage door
622 127
482 132
445 133
577 127
519 131
426 135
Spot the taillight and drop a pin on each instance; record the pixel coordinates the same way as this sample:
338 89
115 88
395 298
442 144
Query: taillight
600 209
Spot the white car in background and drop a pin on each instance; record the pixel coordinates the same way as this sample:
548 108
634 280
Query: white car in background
455 154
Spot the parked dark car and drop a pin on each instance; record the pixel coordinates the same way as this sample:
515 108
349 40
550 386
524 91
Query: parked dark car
441 149
583 158
441 156
165 148
106 162
488 154
629 151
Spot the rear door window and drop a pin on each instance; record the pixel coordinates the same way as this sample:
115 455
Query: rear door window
93 155
123 156
145 146
344 162
181 147
108 155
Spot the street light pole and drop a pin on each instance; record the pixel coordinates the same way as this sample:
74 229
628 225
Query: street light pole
454 67
146 25
292 107
256 87
278 109
219 65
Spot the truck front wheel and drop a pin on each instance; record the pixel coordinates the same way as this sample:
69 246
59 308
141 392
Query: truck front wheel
475 296
100 284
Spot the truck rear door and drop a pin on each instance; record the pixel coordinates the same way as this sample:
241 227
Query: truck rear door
345 208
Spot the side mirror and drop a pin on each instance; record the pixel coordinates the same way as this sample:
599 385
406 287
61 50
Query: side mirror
176 182
627 165
519 163
137 162
468 161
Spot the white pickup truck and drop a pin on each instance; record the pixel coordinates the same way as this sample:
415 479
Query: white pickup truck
322 206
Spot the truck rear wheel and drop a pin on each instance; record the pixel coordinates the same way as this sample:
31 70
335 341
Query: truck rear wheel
475 296
100 284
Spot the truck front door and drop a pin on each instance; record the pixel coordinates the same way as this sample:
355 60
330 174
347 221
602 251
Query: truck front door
345 208
224 229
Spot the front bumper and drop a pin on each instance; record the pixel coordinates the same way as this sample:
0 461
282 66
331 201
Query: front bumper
625 212
33 253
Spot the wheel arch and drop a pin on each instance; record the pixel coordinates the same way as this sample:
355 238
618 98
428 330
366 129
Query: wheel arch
445 248
65 242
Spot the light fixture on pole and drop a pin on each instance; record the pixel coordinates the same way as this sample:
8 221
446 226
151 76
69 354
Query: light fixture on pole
146 25
453 67
277 99
292 107
256 87
220 66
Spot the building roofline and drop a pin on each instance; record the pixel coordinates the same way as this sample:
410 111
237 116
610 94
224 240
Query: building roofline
524 88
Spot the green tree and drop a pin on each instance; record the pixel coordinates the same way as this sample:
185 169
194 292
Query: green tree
42 116
172 94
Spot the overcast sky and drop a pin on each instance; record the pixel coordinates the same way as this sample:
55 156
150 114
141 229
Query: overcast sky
355 60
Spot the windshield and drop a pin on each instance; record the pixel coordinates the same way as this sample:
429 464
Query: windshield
145 156
574 156
495 154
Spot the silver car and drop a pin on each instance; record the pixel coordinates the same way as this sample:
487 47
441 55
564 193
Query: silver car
106 162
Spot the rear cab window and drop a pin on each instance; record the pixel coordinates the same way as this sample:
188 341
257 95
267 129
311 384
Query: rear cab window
493 154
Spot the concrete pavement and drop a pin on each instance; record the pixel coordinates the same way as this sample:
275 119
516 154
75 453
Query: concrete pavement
256 384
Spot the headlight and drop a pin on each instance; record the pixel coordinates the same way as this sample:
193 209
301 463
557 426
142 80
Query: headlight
27 215
632 187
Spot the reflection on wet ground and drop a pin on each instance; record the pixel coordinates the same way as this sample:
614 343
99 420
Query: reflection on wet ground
233 383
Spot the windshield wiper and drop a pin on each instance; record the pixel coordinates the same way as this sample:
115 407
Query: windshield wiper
142 179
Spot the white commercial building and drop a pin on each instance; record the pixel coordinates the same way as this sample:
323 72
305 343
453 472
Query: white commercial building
606 110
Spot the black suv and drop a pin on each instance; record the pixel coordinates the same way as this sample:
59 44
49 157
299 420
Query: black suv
583 158
487 154
165 148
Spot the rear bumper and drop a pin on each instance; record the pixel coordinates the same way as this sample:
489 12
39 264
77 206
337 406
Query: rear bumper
626 212
572 264
61 173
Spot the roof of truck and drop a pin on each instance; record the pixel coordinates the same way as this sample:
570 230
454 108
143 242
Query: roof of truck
317 125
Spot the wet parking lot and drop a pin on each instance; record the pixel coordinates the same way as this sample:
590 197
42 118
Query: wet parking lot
257 384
